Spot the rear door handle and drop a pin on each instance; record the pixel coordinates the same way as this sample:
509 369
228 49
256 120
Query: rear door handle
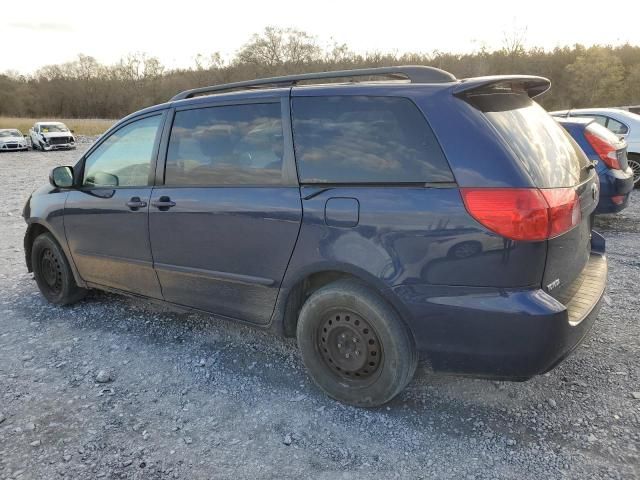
135 203
163 203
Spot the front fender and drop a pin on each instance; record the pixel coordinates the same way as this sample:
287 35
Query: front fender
44 212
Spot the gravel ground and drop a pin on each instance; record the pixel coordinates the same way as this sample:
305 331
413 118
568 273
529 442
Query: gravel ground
118 388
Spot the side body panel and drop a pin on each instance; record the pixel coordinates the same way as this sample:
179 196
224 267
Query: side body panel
411 235
46 208
109 242
225 249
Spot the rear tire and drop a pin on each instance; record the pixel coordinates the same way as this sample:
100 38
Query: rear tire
354 345
53 273
634 163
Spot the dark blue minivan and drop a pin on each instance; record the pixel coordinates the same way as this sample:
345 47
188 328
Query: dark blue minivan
376 221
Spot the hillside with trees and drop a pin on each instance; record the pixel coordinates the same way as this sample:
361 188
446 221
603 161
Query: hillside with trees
597 76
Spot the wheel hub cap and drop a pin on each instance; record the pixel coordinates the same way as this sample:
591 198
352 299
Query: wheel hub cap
635 167
349 345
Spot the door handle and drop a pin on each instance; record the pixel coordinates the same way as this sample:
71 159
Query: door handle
135 203
163 203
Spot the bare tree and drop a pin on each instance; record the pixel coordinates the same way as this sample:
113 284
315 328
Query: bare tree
277 46
597 76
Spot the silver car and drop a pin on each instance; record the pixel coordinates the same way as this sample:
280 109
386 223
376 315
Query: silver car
11 139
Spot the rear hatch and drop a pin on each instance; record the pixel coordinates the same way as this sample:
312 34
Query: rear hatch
558 169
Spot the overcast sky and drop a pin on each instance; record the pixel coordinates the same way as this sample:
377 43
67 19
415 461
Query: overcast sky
48 32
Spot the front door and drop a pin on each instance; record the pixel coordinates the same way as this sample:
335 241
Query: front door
107 218
225 222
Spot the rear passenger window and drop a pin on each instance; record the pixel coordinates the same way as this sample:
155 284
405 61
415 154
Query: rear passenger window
226 145
357 139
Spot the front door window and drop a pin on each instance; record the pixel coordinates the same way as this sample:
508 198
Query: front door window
124 159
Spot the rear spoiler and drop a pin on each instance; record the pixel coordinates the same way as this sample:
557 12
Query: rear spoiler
534 86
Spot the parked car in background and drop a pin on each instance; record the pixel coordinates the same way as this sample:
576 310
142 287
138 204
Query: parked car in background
352 216
608 152
11 139
631 108
621 122
51 136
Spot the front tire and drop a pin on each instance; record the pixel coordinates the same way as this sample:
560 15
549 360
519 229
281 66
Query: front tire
53 273
354 345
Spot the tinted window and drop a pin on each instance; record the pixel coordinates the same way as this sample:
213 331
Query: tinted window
365 139
547 151
617 127
228 145
124 158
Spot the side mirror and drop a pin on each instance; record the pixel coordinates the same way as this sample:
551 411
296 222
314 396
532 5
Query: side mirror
61 177
72 131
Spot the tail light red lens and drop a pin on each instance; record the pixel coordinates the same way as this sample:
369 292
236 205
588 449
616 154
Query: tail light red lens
528 214
618 199
606 150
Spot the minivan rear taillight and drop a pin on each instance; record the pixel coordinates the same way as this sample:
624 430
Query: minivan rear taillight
604 147
529 214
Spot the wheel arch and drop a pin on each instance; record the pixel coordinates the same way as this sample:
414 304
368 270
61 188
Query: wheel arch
34 230
297 288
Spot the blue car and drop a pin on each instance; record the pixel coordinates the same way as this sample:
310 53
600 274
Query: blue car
377 222
609 156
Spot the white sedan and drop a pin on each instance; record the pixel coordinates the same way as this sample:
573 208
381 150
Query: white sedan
12 139
621 122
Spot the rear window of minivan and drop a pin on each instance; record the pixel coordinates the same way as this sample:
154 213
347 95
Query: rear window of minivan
548 153
363 139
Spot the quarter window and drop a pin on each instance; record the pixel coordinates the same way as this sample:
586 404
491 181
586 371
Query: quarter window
226 145
617 127
600 119
358 139
124 158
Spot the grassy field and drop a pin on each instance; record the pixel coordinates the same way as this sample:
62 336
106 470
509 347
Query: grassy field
80 126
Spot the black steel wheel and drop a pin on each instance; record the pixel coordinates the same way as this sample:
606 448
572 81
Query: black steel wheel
354 345
53 273
349 345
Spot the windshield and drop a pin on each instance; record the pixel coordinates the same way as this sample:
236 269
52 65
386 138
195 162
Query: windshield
53 127
10 133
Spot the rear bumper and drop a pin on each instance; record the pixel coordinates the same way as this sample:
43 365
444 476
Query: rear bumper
509 334
615 190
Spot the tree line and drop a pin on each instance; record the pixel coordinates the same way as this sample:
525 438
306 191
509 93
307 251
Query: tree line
597 76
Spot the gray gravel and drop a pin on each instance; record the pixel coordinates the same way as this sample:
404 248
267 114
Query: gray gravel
187 396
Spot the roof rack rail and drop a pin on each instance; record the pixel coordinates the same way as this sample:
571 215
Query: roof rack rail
413 73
